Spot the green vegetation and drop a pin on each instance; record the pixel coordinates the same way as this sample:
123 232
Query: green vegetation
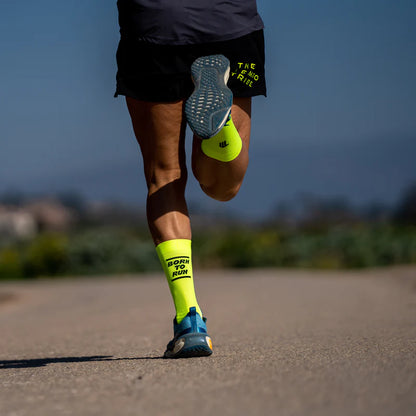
333 248
310 233
87 252
108 251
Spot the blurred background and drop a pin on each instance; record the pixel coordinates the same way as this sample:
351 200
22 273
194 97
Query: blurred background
332 175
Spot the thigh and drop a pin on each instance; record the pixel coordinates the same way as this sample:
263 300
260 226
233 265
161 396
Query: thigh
160 132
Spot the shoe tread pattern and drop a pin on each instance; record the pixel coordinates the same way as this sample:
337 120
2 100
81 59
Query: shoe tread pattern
210 104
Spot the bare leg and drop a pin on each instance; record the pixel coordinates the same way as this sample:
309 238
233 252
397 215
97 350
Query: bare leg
160 132
222 180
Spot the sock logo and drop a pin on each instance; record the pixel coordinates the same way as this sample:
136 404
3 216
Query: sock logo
178 266
223 144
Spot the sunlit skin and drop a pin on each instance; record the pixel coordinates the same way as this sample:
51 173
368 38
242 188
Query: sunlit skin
160 132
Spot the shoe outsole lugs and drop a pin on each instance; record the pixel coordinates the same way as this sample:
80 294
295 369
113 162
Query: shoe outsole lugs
209 106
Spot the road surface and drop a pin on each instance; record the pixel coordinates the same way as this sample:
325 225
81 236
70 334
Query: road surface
285 343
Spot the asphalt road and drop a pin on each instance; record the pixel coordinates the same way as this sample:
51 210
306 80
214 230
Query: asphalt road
285 343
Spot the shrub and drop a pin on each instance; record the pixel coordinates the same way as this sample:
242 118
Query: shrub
46 256
10 264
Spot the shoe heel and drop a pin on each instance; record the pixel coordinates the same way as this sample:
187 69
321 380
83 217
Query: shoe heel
191 345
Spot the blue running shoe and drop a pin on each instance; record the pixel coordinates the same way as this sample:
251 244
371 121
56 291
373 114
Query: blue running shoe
190 338
209 106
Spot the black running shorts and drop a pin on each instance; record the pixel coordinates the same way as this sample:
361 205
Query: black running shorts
162 73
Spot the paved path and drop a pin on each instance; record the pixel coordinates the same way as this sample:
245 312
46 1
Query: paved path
286 343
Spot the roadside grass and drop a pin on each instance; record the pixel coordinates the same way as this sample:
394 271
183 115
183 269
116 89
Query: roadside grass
110 250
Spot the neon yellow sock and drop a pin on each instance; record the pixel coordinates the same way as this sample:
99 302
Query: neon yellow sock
176 259
226 145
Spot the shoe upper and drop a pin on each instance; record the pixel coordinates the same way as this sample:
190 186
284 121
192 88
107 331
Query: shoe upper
190 324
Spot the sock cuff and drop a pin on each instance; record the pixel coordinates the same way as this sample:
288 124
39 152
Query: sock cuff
172 246
225 146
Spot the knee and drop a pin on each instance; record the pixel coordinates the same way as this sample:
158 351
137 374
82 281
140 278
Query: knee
221 193
160 176
221 186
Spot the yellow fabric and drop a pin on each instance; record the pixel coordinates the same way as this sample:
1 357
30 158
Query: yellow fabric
176 259
225 146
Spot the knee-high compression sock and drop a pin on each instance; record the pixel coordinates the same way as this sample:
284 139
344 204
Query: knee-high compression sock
176 259
226 145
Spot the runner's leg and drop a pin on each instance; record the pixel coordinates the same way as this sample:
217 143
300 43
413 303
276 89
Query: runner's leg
222 180
160 132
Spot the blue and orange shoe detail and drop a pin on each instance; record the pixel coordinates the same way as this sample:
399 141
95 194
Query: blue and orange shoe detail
190 338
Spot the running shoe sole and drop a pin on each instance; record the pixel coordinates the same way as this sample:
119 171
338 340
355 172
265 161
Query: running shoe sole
195 344
208 107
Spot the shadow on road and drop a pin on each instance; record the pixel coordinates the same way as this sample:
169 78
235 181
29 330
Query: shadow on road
42 362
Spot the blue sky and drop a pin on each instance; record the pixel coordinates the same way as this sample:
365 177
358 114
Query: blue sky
339 120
